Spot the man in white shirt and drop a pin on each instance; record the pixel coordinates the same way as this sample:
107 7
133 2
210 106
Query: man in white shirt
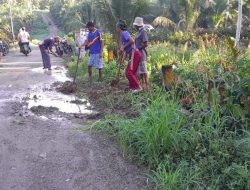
23 37
80 39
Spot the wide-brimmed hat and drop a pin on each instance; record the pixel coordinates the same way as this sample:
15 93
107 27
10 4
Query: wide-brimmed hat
138 21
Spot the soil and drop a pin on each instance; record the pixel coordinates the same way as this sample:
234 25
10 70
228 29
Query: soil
67 87
40 110
42 147
108 99
78 102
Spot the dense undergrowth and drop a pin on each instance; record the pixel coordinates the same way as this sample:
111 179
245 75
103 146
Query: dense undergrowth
190 137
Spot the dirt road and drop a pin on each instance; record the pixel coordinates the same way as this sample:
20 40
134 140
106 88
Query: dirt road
53 30
40 148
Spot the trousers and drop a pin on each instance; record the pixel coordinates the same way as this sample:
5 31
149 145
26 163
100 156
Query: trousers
131 74
45 57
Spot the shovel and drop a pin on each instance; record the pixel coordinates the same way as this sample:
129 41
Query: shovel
78 58
121 60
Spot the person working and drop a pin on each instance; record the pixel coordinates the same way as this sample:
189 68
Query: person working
141 43
94 43
46 48
134 56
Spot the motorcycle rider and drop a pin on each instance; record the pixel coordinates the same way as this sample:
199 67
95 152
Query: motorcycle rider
23 37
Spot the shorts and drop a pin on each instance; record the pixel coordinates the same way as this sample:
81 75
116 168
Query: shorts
143 64
96 61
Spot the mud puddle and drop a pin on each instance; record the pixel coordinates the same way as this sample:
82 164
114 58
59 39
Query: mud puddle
58 73
56 101
46 98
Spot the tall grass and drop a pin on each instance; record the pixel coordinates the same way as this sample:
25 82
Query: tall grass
207 148
185 152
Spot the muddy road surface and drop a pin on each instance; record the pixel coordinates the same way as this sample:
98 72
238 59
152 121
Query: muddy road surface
41 147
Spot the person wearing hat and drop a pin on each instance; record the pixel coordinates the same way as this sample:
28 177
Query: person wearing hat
141 43
46 48
94 43
128 49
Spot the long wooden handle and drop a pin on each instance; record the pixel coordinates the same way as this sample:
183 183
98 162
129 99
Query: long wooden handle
78 58
132 58
121 61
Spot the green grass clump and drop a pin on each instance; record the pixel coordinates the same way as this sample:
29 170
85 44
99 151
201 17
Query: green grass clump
185 152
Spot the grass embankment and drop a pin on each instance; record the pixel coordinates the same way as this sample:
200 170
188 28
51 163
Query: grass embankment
187 141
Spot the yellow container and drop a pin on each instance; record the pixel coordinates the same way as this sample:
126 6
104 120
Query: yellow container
110 55
168 76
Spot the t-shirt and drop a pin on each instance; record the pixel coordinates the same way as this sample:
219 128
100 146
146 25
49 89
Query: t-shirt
125 40
48 43
94 39
141 38
24 37
81 38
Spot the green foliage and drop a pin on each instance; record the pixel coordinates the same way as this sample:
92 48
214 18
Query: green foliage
182 38
109 71
39 28
22 16
186 152
159 34
72 15
204 148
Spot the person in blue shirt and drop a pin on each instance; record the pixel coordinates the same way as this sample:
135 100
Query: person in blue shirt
94 43
129 50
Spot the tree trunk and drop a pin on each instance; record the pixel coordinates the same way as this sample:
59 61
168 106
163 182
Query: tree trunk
239 22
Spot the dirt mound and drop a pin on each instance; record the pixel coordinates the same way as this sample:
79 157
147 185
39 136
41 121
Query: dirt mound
79 102
67 88
43 110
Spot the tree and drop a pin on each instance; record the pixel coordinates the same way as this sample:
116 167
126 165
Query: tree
239 22
110 11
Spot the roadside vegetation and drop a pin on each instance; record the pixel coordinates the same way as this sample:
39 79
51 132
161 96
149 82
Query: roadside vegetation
190 137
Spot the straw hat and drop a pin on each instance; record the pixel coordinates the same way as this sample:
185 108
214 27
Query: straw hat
138 21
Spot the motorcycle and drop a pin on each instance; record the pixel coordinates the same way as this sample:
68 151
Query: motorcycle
59 49
67 49
25 48
3 48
